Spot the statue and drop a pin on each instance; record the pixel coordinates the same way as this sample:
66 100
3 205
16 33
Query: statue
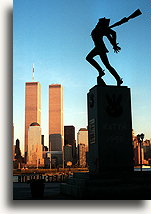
103 29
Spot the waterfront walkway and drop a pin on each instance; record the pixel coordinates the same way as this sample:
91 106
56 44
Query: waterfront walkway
21 191
136 186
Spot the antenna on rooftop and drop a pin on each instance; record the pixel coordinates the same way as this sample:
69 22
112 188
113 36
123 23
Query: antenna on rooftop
33 73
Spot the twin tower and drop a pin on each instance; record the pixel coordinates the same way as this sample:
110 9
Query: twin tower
56 122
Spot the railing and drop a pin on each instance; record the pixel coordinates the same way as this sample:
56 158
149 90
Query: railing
46 178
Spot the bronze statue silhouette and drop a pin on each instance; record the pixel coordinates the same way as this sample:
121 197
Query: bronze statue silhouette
103 29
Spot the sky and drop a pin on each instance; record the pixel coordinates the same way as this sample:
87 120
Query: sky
55 36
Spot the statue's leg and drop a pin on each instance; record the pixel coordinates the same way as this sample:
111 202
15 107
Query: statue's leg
105 61
90 59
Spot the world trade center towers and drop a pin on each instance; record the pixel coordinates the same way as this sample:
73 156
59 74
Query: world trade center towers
56 125
32 108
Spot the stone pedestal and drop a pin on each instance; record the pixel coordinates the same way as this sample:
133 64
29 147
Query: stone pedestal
111 174
110 130
131 186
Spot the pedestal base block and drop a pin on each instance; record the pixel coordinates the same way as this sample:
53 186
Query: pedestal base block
110 129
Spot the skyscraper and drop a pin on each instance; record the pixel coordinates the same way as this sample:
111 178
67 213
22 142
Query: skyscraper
82 138
18 157
68 155
35 147
69 135
69 139
56 124
32 108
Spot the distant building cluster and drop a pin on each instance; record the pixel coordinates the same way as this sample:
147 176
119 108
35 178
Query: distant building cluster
62 150
144 149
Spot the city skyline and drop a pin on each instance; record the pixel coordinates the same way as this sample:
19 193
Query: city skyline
58 47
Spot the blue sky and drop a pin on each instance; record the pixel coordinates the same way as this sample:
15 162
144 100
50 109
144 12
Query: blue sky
55 36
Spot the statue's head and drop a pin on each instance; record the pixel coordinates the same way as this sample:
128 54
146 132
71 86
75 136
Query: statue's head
104 22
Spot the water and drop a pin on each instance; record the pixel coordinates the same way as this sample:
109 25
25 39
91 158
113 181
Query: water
15 177
143 169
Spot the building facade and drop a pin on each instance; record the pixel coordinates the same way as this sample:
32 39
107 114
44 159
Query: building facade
82 160
69 139
82 139
56 125
35 148
18 160
69 135
143 153
68 157
32 108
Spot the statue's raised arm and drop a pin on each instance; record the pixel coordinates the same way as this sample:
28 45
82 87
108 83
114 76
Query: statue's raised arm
103 29
125 19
